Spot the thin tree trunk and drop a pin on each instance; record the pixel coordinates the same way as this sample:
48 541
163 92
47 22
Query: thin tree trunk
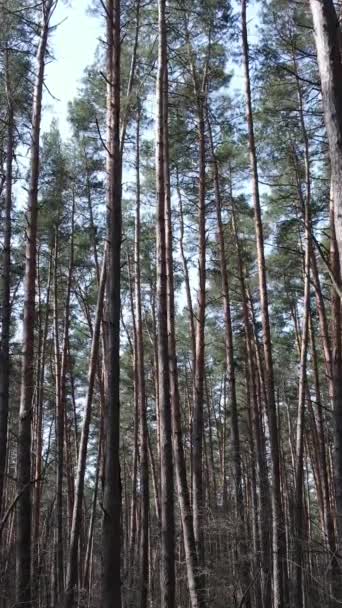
131 79
299 468
39 434
6 291
24 505
337 388
88 554
64 431
59 426
198 378
143 447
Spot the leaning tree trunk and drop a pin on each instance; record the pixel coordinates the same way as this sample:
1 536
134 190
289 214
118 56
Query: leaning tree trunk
111 533
167 561
24 505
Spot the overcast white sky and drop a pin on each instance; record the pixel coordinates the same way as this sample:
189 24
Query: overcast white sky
73 43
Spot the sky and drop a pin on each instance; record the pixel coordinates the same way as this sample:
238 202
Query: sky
73 45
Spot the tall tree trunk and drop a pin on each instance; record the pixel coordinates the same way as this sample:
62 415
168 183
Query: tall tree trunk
280 586
111 533
24 506
299 468
198 378
64 430
328 44
6 290
191 560
302 388
143 447
257 429
39 433
59 426
167 562
337 382
230 367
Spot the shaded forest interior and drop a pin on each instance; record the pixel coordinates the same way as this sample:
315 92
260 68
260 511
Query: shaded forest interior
170 309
